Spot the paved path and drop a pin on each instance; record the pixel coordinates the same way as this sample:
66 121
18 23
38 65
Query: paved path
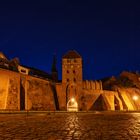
70 126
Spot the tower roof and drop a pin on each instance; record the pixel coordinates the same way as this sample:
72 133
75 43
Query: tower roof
72 54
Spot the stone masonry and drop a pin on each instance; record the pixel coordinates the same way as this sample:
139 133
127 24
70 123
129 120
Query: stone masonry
25 88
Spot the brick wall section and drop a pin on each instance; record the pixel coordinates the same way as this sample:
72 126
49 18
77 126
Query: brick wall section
9 90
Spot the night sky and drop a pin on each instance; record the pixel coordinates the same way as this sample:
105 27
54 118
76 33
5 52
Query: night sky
105 33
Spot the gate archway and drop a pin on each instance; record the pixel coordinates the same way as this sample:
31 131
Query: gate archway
72 105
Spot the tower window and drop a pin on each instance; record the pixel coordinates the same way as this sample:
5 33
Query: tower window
67 80
67 71
74 80
74 71
71 66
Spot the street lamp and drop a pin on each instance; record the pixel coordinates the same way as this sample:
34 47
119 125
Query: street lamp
72 99
135 98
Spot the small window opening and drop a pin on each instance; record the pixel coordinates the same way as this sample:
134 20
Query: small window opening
24 71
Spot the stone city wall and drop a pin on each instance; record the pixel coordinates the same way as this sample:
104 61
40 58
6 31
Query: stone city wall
127 97
39 94
23 92
9 90
61 94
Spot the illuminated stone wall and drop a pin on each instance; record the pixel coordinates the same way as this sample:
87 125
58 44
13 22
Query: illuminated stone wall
127 95
85 98
61 94
9 90
89 99
38 94
23 92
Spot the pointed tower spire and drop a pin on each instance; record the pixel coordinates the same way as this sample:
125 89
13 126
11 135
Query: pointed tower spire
54 69
54 64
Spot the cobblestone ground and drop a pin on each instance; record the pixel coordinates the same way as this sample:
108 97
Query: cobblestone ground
70 126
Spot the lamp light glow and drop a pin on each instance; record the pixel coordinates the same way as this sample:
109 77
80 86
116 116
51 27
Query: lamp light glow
135 97
72 99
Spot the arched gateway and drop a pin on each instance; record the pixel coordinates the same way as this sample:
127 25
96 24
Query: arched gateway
72 105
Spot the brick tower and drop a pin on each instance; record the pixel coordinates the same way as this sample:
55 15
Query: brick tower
72 68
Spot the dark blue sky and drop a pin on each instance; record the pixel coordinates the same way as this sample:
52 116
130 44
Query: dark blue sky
106 34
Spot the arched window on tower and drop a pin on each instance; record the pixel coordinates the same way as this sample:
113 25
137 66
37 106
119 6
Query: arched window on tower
67 71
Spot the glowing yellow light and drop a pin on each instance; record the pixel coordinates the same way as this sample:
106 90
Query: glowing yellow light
72 105
72 99
135 98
